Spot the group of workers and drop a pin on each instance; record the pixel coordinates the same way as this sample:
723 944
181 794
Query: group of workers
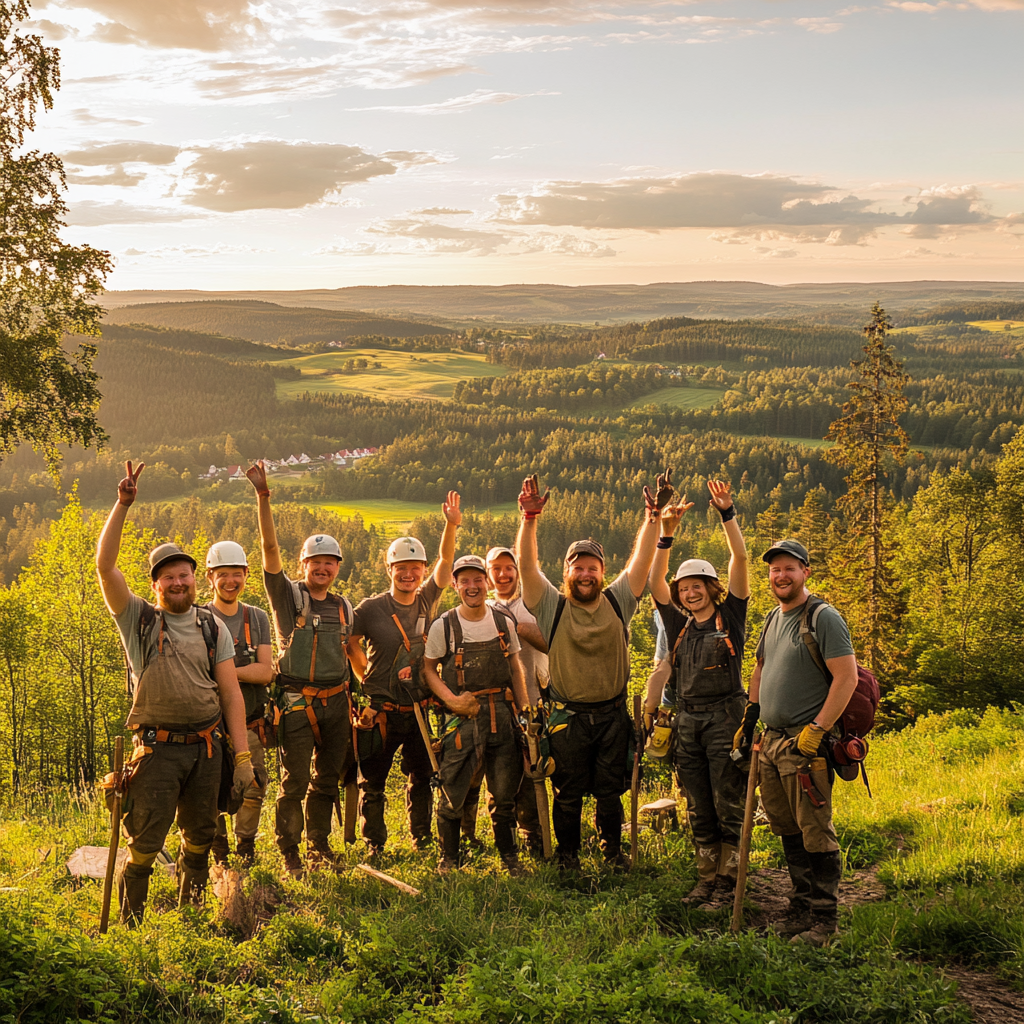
529 684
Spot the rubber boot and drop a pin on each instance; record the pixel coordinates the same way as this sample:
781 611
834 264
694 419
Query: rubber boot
826 870
707 856
193 874
132 890
798 861
448 832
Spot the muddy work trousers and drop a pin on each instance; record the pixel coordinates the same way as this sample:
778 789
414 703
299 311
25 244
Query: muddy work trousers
526 812
247 820
714 785
311 771
591 755
403 734
473 745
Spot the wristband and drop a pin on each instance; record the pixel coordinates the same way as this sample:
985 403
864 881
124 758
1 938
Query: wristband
243 758
530 515
727 513
263 494
664 543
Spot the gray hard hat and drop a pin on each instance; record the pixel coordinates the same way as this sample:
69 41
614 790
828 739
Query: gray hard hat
787 547
468 562
164 553
320 544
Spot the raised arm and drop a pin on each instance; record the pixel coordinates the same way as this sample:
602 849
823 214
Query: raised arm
531 504
670 518
112 582
639 566
452 509
739 575
269 549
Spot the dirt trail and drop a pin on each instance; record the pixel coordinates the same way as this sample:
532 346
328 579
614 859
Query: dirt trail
992 1000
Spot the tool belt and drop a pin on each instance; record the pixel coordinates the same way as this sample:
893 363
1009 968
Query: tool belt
150 734
812 764
310 694
699 705
563 710
506 694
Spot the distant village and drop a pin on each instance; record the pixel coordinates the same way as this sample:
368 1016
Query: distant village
294 465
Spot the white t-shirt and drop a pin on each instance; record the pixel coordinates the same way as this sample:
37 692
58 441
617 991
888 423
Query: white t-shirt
535 664
472 632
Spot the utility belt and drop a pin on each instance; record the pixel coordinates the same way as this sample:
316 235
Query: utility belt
376 716
401 709
792 730
502 692
700 705
560 711
310 694
152 734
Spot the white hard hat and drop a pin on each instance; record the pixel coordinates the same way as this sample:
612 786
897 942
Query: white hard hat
320 544
406 549
226 553
695 567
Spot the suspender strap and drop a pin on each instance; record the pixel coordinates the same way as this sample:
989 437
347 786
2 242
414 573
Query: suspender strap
245 626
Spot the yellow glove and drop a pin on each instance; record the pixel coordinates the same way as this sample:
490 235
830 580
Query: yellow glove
809 740
244 775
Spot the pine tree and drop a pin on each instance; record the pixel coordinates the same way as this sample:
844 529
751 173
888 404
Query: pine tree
49 394
810 525
869 442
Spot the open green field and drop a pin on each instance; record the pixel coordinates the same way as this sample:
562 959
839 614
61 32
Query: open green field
392 513
806 442
932 897
680 398
1007 326
402 374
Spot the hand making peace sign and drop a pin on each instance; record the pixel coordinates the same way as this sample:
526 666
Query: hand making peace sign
128 489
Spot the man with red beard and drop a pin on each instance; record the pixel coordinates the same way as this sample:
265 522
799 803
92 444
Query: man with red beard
586 627
185 691
799 705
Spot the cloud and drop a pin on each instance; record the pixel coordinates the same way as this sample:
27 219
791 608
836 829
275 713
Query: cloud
347 247
89 213
273 174
185 24
565 245
429 236
117 175
774 254
848 234
823 26
52 30
441 211
196 251
458 104
104 154
83 116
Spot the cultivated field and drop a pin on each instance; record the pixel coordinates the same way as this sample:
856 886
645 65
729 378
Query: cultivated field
680 398
393 514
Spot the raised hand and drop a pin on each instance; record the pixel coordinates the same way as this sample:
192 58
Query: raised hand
672 514
452 508
662 495
721 494
531 501
127 489
257 474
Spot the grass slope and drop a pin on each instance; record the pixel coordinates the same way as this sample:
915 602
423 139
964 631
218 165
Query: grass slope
680 398
942 833
402 375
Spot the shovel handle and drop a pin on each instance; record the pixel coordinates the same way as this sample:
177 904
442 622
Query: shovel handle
634 790
115 836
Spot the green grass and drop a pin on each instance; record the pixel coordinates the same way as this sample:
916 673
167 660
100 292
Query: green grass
389 512
943 830
806 442
402 374
1016 326
680 398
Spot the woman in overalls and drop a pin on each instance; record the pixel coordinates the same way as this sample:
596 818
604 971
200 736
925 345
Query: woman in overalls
705 627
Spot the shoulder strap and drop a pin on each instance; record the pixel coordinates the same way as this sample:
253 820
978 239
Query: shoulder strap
808 621
246 627
679 639
211 633
558 616
618 611
501 625
301 600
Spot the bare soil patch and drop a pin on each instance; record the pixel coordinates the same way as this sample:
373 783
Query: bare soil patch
991 999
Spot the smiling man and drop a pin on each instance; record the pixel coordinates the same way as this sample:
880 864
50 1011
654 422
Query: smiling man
586 627
394 626
313 635
227 570
183 687
799 705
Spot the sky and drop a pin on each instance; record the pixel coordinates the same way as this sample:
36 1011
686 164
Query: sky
228 144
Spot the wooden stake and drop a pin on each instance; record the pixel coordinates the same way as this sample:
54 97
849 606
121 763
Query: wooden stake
115 835
635 788
380 876
748 828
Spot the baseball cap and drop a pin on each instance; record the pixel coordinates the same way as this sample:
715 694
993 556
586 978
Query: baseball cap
164 553
788 547
583 547
468 562
494 552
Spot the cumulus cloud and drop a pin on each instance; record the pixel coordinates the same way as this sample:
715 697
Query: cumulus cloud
84 116
195 251
117 175
458 104
273 174
429 236
89 213
185 24
105 154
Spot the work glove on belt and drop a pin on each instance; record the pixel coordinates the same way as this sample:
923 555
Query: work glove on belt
809 740
744 735
244 775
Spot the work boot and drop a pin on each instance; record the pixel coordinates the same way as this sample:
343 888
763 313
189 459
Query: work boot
294 869
132 890
728 867
821 932
707 856
793 922
798 863
220 849
505 841
374 854
193 874
568 860
513 865
246 851
423 844
320 856
448 833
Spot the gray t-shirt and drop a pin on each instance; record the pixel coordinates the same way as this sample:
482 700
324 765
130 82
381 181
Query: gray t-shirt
588 656
534 663
793 688
255 695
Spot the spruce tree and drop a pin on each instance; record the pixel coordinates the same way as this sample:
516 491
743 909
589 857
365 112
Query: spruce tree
869 442
49 393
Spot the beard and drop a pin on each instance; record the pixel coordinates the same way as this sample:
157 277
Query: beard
583 591
178 604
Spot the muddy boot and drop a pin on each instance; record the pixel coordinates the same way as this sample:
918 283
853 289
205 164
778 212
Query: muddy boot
448 833
505 841
294 869
568 860
193 874
798 917
132 890
247 851
320 856
220 849
826 870
609 831
707 855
